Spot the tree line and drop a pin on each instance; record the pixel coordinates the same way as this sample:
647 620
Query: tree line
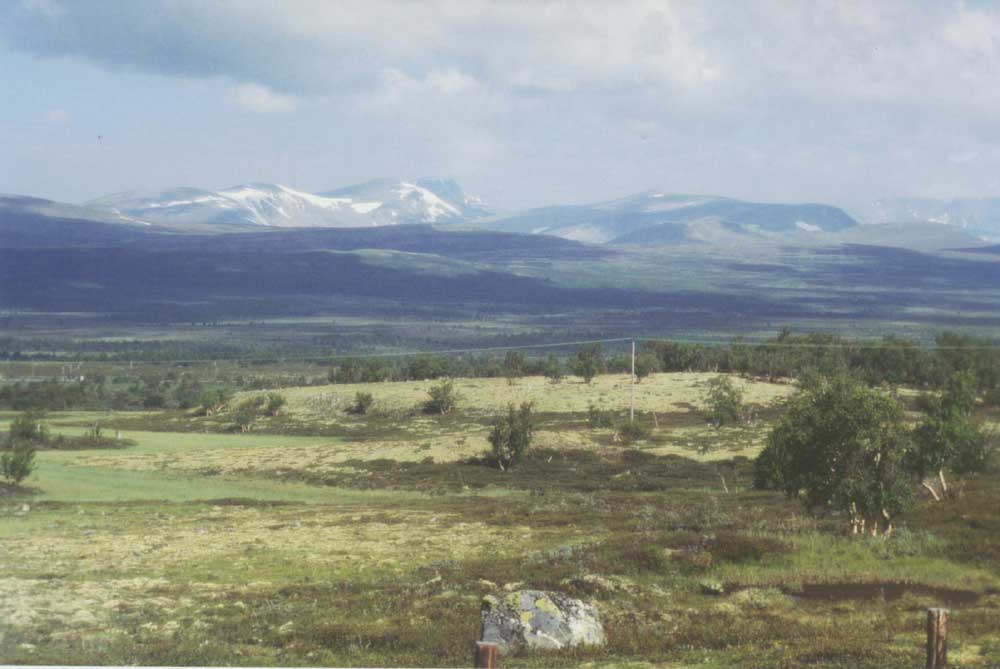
891 360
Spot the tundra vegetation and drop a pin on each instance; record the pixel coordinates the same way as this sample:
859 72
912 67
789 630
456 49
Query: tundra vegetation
323 535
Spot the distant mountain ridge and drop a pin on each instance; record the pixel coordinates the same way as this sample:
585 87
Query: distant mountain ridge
646 219
374 203
657 218
976 216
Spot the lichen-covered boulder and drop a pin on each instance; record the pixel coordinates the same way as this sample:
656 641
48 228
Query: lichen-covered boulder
539 619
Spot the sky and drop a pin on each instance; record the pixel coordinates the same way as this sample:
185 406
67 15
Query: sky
523 103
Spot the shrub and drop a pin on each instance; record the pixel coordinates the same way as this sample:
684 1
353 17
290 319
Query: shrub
511 435
629 432
553 369
17 463
212 401
588 362
646 363
28 427
274 403
513 366
599 418
246 413
362 403
725 401
443 397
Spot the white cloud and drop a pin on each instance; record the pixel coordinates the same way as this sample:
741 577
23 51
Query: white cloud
769 98
262 99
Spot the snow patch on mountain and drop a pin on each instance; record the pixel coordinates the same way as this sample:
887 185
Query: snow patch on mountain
434 206
381 202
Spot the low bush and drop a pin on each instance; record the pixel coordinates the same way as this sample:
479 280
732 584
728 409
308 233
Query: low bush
599 418
629 432
363 402
442 397
18 461
275 402
511 435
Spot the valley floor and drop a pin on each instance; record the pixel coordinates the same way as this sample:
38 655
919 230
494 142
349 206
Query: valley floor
324 538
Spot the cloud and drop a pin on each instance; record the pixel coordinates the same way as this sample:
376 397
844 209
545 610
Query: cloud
318 47
262 99
767 99
856 51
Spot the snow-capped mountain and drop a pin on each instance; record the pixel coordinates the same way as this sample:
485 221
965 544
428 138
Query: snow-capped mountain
427 200
976 216
657 218
383 202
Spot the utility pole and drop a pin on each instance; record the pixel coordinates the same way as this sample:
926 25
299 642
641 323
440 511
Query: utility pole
631 403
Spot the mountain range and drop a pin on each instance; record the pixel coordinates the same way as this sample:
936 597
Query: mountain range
657 218
422 246
379 202
649 218
977 216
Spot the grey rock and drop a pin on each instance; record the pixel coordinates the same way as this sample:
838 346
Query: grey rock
539 619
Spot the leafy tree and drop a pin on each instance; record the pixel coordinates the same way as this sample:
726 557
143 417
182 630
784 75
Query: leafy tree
947 437
841 446
362 403
553 369
442 397
511 435
646 363
588 362
725 401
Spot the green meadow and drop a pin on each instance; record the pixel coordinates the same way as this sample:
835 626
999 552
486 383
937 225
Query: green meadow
320 537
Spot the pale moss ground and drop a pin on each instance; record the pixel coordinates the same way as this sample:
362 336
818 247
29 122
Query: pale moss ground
659 393
423 436
192 541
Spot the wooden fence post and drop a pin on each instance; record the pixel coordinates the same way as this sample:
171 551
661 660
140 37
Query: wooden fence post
937 638
487 655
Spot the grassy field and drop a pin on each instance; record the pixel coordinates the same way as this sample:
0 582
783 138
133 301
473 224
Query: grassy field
326 538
